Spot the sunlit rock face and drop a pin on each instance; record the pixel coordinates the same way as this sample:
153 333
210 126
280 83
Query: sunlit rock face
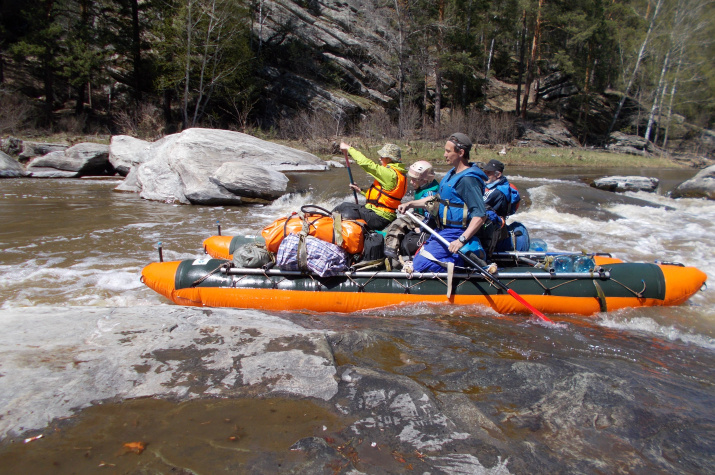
212 167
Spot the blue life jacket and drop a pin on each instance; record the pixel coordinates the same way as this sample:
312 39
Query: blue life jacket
513 197
453 212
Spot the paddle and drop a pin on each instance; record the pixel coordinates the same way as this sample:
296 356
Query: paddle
487 275
350 173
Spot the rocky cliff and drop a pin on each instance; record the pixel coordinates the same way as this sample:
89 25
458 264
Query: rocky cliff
338 57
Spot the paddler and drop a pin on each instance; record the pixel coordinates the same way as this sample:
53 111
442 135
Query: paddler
385 193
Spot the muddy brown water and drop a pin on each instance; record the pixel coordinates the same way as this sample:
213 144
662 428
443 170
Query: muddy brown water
628 391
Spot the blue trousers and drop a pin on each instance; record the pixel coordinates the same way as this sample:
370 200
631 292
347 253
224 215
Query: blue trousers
440 252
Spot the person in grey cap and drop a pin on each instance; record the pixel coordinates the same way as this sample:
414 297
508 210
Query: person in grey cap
385 193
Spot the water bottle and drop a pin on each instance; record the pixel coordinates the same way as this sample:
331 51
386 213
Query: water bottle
537 245
563 264
584 264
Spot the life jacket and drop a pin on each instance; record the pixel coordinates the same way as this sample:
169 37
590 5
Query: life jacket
429 190
453 212
384 200
513 198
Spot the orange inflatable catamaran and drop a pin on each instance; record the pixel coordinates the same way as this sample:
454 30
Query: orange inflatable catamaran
610 285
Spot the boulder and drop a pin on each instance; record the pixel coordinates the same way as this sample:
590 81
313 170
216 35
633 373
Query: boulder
31 150
184 167
126 152
84 159
11 146
626 183
548 132
555 86
250 180
10 168
701 185
619 142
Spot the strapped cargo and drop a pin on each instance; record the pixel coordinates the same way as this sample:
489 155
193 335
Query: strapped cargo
320 223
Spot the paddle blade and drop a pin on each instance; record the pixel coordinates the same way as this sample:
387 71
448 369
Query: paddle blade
529 306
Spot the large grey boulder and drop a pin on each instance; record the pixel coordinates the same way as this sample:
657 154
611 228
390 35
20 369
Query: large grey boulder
10 168
180 167
631 144
627 183
31 150
701 185
126 152
84 159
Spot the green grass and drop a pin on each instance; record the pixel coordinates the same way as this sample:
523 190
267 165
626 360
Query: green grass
433 152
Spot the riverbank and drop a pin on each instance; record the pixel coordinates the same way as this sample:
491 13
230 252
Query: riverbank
414 150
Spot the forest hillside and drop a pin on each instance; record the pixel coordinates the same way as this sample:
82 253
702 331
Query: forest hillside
577 73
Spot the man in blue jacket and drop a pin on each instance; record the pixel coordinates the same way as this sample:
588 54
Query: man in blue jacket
462 213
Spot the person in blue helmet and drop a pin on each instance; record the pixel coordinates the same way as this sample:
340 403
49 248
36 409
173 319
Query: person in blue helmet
462 213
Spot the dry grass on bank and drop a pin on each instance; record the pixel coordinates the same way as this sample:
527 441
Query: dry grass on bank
432 151
516 156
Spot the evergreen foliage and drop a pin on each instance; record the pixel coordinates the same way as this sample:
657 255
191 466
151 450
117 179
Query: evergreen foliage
198 61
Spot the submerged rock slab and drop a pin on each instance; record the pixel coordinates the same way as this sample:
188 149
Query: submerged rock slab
58 360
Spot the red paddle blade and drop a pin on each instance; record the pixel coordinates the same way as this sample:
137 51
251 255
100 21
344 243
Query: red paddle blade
529 306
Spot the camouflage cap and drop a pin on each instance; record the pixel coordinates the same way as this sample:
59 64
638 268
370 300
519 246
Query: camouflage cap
392 151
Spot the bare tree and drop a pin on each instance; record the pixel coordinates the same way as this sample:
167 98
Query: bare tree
639 58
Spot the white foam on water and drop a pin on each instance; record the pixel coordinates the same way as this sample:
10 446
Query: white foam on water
652 328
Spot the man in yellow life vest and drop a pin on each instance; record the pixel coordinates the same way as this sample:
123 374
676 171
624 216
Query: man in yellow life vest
386 192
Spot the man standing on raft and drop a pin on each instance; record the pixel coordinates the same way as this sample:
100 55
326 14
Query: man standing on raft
462 213
386 192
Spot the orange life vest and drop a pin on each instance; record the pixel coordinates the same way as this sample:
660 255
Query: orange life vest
387 201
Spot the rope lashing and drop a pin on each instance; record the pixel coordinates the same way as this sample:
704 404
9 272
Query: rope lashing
226 265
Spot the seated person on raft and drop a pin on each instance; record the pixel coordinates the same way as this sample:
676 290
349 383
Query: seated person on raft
462 215
386 192
404 236
500 198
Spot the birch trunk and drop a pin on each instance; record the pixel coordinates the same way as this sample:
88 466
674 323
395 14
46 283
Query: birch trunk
188 65
532 60
655 105
641 54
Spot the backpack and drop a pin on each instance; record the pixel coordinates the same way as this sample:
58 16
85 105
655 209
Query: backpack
309 254
346 233
518 239
252 256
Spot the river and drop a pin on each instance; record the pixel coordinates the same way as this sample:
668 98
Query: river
77 243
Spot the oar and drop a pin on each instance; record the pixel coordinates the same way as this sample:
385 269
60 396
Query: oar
350 173
481 270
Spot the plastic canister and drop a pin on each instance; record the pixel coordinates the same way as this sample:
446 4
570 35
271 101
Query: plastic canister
584 264
563 264
537 245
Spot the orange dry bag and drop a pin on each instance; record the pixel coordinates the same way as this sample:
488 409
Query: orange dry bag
347 234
